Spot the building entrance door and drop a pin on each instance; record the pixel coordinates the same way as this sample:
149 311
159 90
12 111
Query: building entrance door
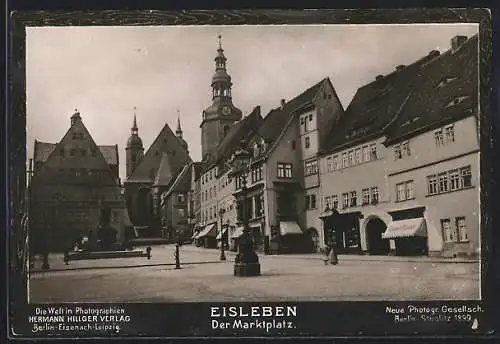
376 244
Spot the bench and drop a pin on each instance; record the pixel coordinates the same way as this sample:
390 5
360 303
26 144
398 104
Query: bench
85 255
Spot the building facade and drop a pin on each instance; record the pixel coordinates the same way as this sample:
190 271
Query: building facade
416 131
74 181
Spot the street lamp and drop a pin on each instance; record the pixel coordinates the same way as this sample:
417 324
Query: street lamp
246 262
222 235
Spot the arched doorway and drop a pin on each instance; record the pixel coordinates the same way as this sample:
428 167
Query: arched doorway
314 237
376 244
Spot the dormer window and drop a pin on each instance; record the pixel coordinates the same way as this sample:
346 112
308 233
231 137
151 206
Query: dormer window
456 101
445 81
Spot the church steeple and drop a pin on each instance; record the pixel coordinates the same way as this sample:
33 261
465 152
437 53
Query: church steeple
134 149
221 81
178 132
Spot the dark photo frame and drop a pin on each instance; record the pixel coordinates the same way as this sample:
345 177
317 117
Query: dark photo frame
281 317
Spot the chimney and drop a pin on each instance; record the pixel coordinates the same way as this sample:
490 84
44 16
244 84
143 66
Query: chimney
400 67
283 102
378 77
457 41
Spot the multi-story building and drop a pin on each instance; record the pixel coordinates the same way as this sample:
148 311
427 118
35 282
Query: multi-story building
75 183
400 172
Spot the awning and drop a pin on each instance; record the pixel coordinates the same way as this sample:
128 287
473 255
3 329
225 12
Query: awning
406 228
219 236
289 228
208 231
237 233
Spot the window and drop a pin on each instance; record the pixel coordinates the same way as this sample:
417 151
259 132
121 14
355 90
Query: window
358 156
461 229
432 185
180 198
313 201
373 151
449 132
83 152
405 149
345 160
438 138
335 202
308 202
284 170
181 213
335 162
449 234
454 180
329 164
61 152
72 152
405 191
307 142
351 158
366 196
311 167
293 145
310 117
366 153
345 200
466 175
374 195
353 198
443 182
94 152
328 202
397 152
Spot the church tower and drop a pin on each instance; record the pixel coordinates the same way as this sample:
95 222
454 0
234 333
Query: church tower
134 150
178 133
218 118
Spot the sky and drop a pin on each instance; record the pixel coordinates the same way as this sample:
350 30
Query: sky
106 72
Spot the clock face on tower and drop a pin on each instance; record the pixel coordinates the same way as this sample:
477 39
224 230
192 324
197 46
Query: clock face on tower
226 110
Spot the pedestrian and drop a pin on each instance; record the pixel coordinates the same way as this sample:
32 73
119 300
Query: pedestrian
325 255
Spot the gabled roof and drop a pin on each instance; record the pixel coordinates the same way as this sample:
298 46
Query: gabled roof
164 174
44 149
275 120
374 106
166 142
238 131
110 154
447 90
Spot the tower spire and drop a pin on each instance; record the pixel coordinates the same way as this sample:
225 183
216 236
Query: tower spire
178 132
134 125
220 41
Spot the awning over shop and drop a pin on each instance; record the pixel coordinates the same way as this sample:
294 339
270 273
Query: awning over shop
219 236
209 230
237 233
289 228
406 228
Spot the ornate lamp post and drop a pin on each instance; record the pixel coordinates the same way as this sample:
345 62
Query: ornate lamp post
222 235
246 262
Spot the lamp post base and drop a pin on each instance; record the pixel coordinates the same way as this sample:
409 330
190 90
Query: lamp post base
246 269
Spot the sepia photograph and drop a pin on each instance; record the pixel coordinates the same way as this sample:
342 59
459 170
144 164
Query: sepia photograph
335 162
220 173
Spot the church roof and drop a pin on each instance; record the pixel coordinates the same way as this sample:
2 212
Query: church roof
374 106
164 174
166 142
110 154
446 90
181 181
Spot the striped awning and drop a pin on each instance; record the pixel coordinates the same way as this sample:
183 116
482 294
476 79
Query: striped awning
209 230
406 228
237 233
289 227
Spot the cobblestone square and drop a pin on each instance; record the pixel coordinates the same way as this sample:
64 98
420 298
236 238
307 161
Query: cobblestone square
204 278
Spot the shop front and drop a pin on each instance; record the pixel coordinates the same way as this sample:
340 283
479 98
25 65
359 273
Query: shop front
408 229
341 231
207 236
